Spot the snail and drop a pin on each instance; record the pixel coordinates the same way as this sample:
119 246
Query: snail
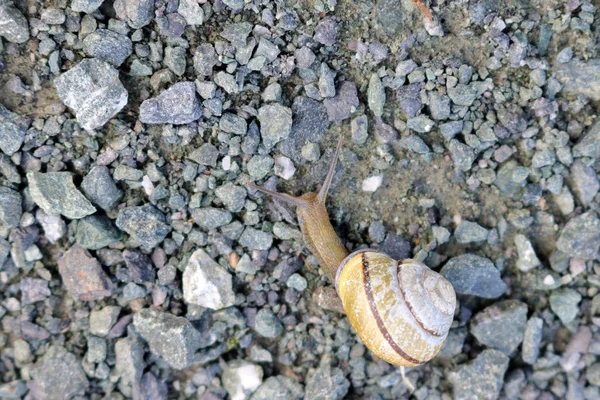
400 309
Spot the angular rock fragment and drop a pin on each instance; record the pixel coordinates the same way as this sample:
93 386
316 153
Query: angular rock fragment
589 145
33 290
501 325
177 105
580 78
482 378
129 362
206 283
279 387
11 207
101 321
170 337
93 90
13 24
86 6
137 13
275 123
83 276
95 232
139 266
108 46
55 193
13 129
474 275
580 237
99 186
145 224
344 103
58 375
241 378
327 383
205 58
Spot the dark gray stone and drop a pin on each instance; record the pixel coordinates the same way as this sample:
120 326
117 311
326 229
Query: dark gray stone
310 122
55 193
137 13
473 275
139 266
326 384
99 186
177 105
95 232
93 90
462 95
151 388
580 237
482 378
390 15
13 25
13 129
396 247
83 276
415 144
232 123
344 103
58 375
267 324
170 337
108 46
11 208
144 224
501 326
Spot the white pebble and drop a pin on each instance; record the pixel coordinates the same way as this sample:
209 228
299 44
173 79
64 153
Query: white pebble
148 185
372 183
284 167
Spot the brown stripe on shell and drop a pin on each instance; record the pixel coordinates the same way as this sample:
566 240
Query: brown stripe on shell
413 313
380 324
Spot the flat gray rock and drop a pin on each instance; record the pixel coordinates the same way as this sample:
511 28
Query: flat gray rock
326 384
482 378
95 232
580 237
580 78
13 24
13 129
137 13
501 326
93 90
11 208
473 275
145 224
99 186
589 145
177 105
55 193
108 46
58 375
275 123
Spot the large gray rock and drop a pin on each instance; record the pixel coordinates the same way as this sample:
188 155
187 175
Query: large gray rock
501 326
177 105
170 337
473 275
279 387
13 24
95 232
580 78
275 123
108 46
583 182
310 122
99 186
589 145
344 103
137 13
326 384
11 208
129 362
58 375
480 379
206 283
55 193
580 237
86 6
13 129
144 224
565 304
83 276
93 90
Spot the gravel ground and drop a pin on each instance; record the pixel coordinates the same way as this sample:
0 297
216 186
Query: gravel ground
135 263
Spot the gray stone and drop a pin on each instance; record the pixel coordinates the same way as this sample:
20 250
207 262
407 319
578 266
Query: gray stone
360 129
505 182
132 291
231 123
565 304
93 90
207 154
267 49
462 95
232 196
420 124
170 337
482 378
470 232
385 133
33 290
86 6
4 251
326 81
344 103
13 390
191 11
108 46
589 145
473 275
396 247
267 324
454 344
310 122
58 375
101 321
451 129
226 81
376 95
137 13
177 105
275 123
439 106
527 257
206 283
298 282
211 218
580 237
462 155
55 193
125 173
145 224
532 340
11 208
441 234
390 15
175 59
501 326
583 182
139 266
129 362
95 232
151 388
579 78
259 166
376 231
96 349
326 383
205 58
13 129
241 378
83 276
326 31
99 187
279 387
254 239
237 33
415 144
13 25
304 57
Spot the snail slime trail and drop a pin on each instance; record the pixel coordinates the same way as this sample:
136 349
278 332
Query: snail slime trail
400 309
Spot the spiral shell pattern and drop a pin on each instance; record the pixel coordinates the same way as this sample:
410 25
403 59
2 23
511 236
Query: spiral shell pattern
401 310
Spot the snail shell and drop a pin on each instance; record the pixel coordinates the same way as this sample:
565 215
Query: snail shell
401 310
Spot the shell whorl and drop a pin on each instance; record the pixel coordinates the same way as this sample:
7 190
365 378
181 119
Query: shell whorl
402 310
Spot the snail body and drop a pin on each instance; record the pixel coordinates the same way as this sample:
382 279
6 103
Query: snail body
400 309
